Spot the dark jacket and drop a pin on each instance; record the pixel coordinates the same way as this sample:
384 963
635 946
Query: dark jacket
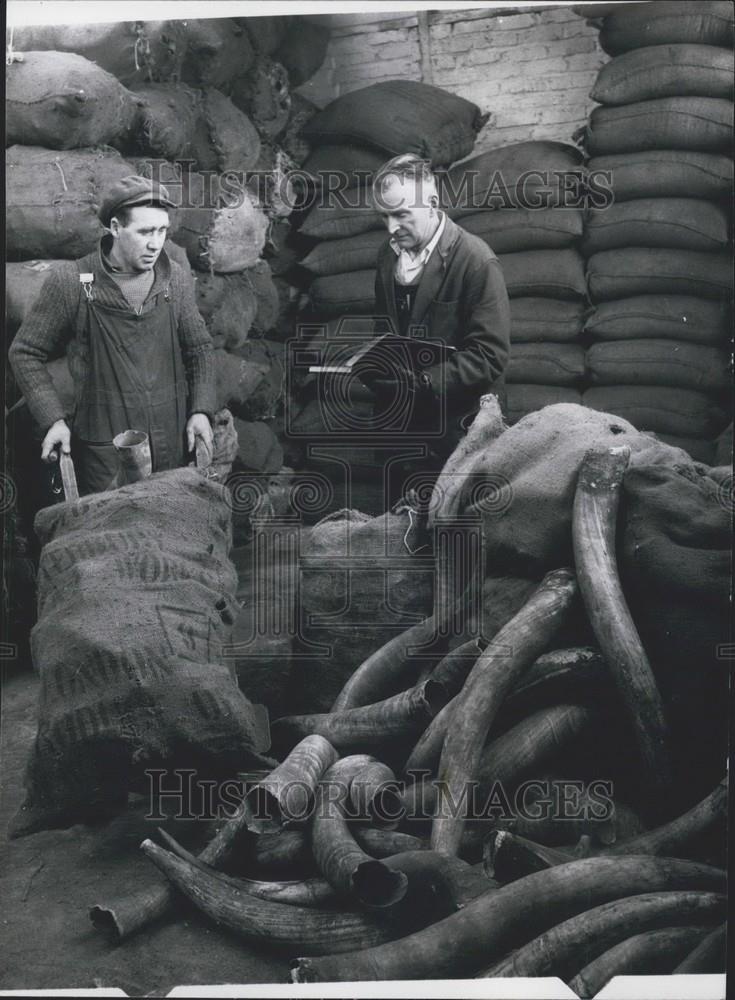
55 325
462 301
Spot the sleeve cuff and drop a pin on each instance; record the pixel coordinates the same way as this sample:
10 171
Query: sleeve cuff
48 416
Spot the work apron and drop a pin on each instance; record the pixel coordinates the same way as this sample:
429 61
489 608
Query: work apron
136 381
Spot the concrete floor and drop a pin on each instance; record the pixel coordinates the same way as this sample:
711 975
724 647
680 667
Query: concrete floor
49 880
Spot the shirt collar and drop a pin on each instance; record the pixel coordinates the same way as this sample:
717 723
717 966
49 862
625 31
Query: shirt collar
161 269
422 257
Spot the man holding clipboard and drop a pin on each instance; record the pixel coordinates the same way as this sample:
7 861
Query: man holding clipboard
444 288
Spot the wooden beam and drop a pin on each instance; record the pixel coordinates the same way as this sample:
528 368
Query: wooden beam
448 16
427 70
379 21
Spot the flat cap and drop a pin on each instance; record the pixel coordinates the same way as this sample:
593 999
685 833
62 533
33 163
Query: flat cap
130 191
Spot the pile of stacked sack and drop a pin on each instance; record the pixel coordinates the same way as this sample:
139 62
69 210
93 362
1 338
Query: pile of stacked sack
525 201
204 106
659 270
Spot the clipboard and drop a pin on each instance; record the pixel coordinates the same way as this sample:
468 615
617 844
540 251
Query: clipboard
410 352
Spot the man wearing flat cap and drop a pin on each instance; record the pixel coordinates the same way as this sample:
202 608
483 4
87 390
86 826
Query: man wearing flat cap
139 353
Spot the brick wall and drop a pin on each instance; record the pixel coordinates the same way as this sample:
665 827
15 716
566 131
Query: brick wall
532 69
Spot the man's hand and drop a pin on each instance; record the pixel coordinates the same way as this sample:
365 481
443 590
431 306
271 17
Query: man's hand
401 384
57 434
198 426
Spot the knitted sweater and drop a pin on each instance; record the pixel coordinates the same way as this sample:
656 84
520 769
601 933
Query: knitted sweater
55 325
135 286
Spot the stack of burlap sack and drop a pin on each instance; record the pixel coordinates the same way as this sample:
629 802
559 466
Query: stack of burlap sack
525 201
659 267
203 106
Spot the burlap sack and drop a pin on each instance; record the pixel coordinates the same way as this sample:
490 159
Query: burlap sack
680 223
353 253
336 294
281 249
358 572
664 173
265 33
133 51
263 94
302 110
136 601
63 101
271 356
267 302
23 282
545 320
333 222
353 165
536 175
201 128
225 444
674 559
524 399
217 51
320 418
532 471
52 199
683 412
174 251
236 380
267 570
665 71
668 23
289 318
723 447
546 364
233 140
169 121
658 362
618 274
302 50
701 123
258 447
556 274
504 596
277 186
250 379
227 305
510 230
401 116
699 450
676 317
220 226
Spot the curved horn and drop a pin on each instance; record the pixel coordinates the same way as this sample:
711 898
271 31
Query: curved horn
593 534
510 653
496 922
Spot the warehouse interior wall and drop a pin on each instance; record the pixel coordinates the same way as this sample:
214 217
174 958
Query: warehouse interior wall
508 62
